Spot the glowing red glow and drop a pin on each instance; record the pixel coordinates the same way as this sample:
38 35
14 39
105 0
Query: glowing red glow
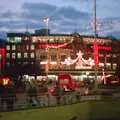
2 58
50 45
95 50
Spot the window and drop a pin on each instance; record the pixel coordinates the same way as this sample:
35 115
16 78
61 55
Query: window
19 55
63 57
32 47
8 64
8 55
114 66
18 47
13 47
25 55
8 47
53 57
27 47
114 55
43 57
13 55
108 66
32 55
25 63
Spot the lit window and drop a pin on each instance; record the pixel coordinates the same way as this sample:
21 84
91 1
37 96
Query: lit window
13 55
32 55
8 55
13 47
19 55
8 47
114 66
27 47
25 55
32 47
114 55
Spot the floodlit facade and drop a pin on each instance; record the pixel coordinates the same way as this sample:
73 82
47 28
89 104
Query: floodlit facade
36 55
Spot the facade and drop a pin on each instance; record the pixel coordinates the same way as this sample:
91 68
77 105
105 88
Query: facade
20 58
50 55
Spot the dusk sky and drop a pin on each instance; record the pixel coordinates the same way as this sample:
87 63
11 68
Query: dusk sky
66 16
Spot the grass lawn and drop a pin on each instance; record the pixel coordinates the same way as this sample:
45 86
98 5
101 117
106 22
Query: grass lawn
85 111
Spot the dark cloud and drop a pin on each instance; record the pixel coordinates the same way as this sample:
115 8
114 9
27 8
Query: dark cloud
37 10
20 25
6 14
73 14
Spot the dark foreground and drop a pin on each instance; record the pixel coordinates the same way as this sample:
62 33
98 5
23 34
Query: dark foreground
105 110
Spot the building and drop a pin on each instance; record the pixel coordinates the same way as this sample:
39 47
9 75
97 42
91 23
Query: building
20 58
49 55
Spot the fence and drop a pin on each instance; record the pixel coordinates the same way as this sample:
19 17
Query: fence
24 101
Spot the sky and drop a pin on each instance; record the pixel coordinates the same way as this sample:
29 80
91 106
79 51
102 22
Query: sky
65 16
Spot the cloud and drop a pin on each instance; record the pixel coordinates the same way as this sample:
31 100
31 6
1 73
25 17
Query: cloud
73 14
64 18
37 10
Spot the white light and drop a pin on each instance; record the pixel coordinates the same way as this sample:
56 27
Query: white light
108 64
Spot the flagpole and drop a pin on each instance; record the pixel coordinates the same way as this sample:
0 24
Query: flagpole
95 43
47 66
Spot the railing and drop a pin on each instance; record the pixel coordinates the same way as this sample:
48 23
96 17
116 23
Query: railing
24 101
